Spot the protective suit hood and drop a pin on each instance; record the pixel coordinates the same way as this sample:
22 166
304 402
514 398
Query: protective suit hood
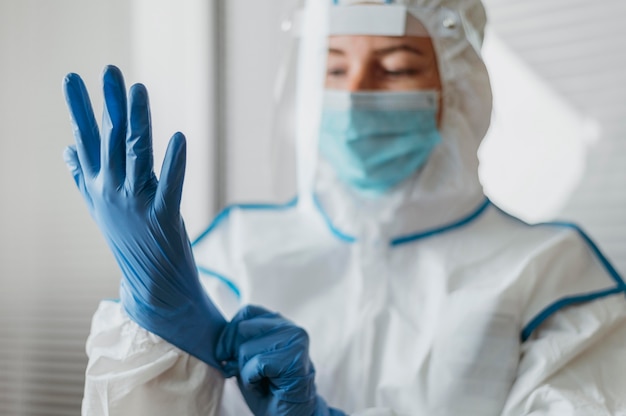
447 187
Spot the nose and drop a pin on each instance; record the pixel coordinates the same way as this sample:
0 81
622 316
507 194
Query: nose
360 79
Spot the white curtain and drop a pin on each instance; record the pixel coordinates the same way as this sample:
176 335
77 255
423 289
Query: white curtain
54 265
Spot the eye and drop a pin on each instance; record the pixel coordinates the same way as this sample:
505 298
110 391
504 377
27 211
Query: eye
401 73
336 72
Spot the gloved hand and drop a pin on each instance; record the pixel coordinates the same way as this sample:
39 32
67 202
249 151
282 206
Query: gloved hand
139 215
270 357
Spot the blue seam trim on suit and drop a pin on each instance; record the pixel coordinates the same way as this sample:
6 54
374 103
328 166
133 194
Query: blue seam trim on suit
232 286
221 217
460 223
406 239
562 303
226 212
336 232
571 300
605 262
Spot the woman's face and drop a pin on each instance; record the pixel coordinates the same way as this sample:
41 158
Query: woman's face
375 63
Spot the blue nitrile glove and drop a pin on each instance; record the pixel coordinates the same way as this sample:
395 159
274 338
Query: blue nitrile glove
270 357
139 215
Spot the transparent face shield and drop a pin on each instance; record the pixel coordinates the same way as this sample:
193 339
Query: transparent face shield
302 85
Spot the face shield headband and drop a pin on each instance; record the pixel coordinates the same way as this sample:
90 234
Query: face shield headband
400 20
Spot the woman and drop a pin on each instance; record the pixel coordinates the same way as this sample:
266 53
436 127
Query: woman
409 291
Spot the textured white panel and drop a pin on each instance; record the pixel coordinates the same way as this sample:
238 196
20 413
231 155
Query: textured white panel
533 185
579 48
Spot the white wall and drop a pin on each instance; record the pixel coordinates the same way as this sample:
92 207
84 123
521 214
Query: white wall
173 54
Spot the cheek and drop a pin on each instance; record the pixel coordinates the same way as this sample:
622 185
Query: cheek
333 83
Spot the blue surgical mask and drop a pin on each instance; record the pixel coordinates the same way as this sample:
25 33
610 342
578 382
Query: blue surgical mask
375 140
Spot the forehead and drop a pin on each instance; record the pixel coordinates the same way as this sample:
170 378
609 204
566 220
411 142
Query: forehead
349 44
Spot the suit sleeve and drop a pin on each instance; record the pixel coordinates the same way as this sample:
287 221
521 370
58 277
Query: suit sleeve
575 363
134 372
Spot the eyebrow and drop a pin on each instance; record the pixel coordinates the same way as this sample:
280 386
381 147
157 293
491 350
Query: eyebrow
399 48
384 51
334 51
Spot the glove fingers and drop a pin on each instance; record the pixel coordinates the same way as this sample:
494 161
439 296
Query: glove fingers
262 326
70 156
84 124
170 188
279 341
112 150
139 154
258 367
292 378
251 311
229 341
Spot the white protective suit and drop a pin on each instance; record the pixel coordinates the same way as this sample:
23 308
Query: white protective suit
426 301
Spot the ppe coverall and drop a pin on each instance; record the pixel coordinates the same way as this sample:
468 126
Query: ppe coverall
427 300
